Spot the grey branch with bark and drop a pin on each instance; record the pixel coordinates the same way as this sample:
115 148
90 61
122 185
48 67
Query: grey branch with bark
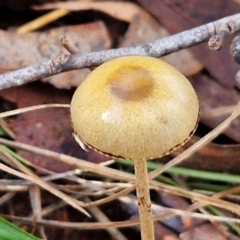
214 32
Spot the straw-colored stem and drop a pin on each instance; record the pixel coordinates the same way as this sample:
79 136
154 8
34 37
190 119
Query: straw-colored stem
144 202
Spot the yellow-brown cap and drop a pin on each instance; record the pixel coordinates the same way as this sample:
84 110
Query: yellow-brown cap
134 107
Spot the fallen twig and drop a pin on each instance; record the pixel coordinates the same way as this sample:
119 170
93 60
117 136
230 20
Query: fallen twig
214 30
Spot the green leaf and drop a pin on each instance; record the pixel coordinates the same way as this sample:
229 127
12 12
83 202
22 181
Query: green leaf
9 231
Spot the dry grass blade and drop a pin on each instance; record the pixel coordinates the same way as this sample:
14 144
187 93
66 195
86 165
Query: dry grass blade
6 128
110 198
197 215
219 111
6 197
217 195
42 21
119 224
119 175
32 108
203 141
101 217
34 178
35 198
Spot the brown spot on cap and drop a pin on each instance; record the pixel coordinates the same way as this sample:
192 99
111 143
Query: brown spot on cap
132 83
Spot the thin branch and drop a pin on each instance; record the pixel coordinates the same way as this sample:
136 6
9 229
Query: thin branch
65 43
158 48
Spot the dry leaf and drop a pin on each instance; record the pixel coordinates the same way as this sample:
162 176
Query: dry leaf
174 17
17 51
206 231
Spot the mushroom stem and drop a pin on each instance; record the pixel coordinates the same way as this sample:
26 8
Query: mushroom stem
144 201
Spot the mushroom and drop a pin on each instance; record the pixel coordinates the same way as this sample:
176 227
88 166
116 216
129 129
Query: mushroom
137 108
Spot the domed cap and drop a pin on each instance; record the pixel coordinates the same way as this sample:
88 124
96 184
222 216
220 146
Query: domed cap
134 107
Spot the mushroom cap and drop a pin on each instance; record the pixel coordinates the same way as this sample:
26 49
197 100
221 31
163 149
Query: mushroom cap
134 107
